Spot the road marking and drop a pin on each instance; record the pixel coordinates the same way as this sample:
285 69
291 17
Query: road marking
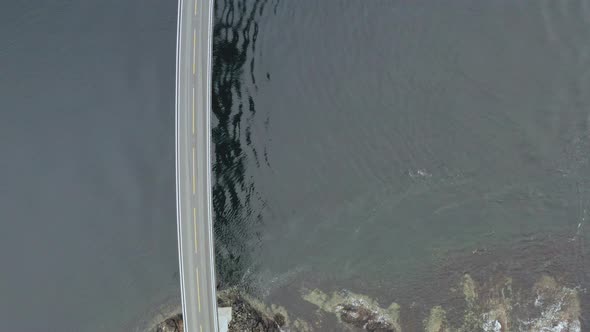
193 110
195 227
201 328
194 166
195 7
194 48
198 290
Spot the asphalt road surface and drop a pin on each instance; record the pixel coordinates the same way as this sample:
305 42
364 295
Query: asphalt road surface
193 183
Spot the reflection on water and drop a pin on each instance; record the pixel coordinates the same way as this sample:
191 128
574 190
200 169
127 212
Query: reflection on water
236 200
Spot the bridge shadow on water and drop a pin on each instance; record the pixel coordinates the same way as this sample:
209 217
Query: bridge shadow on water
236 202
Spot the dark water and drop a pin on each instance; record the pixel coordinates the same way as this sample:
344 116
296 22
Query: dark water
365 140
88 231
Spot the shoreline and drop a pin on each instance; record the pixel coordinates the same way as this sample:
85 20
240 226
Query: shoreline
457 294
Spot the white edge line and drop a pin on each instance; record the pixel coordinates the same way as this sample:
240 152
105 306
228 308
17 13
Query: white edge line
208 142
176 131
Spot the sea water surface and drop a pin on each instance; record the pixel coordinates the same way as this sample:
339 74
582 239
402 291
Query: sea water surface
357 145
362 143
88 230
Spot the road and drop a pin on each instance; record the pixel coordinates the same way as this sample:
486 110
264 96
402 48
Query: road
193 167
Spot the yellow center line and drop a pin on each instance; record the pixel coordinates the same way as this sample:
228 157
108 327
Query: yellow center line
194 48
193 110
194 180
198 290
195 7
195 227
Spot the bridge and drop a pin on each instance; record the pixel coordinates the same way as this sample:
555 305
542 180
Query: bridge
193 165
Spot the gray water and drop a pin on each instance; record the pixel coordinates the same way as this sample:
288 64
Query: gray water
353 140
88 231
377 136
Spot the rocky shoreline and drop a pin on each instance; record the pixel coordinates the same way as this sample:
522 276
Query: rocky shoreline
538 288
489 307
248 314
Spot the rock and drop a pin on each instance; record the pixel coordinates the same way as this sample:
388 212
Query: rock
548 306
245 314
558 308
172 324
357 310
493 305
436 321
469 290
248 314
279 319
359 315
498 308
